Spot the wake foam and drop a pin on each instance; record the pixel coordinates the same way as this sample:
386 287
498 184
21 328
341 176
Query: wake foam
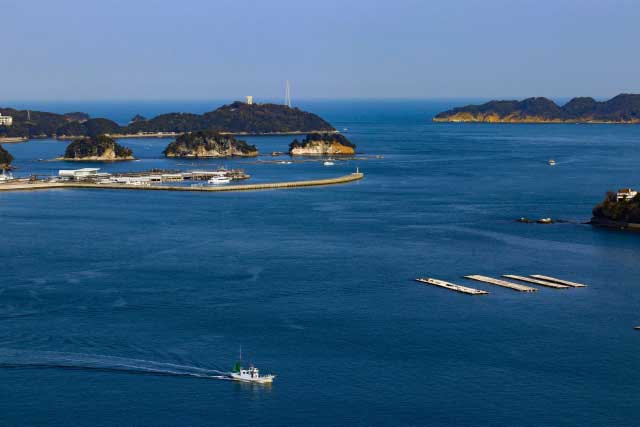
53 360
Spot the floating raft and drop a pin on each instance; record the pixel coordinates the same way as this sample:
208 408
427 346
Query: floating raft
536 281
452 286
503 283
562 282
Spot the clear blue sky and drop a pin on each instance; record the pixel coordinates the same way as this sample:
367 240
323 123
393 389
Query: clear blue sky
213 49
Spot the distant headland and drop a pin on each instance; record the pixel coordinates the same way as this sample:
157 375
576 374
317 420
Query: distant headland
236 118
624 108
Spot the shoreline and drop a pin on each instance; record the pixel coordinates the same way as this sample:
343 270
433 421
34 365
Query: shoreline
537 122
176 134
35 186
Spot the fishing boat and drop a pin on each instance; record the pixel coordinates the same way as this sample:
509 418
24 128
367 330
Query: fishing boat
552 162
250 374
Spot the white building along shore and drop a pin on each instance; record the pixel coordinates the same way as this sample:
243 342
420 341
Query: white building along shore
6 120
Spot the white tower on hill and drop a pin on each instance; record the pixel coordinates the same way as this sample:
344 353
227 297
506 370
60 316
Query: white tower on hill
287 94
249 99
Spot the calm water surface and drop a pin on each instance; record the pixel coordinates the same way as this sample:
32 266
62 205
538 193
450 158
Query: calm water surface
114 305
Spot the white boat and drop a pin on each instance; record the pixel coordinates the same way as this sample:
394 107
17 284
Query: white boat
218 180
328 163
552 162
249 375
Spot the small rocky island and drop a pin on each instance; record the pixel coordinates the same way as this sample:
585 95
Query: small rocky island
100 148
5 159
618 210
209 144
624 108
322 144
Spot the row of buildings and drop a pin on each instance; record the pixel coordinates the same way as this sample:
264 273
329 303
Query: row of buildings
6 120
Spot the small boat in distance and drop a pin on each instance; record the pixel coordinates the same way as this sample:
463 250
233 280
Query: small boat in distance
249 375
328 163
552 162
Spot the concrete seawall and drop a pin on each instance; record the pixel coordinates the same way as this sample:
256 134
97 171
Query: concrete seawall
33 186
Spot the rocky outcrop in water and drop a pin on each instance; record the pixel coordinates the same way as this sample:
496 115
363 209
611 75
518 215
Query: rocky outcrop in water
98 149
209 144
322 144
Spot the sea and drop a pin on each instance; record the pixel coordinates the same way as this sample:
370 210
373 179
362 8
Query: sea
130 307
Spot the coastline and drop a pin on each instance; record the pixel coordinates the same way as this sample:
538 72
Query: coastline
614 225
13 140
538 122
35 186
176 134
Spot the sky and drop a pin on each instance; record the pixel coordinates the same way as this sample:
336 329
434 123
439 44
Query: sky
215 49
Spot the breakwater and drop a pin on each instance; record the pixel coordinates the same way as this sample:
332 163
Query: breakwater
42 185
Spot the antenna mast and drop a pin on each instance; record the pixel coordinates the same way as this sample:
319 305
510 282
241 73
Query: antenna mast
287 94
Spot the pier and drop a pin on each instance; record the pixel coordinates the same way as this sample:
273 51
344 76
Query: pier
452 286
25 185
536 281
503 283
562 282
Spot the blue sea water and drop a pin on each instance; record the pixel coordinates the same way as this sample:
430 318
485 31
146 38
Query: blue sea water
114 304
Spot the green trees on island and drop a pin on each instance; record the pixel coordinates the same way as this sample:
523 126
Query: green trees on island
624 108
209 144
612 209
325 137
237 117
5 158
100 146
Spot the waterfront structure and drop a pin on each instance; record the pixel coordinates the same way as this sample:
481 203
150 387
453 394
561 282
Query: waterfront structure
626 194
77 174
249 100
6 120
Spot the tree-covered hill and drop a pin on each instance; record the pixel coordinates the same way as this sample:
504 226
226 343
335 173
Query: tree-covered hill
209 144
624 108
621 211
237 117
100 147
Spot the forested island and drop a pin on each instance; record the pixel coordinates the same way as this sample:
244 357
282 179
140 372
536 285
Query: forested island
5 158
209 144
100 148
236 118
618 210
624 108
322 144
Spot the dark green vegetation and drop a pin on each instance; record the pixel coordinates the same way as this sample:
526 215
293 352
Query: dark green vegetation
5 158
624 108
326 137
97 147
235 118
611 210
208 144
